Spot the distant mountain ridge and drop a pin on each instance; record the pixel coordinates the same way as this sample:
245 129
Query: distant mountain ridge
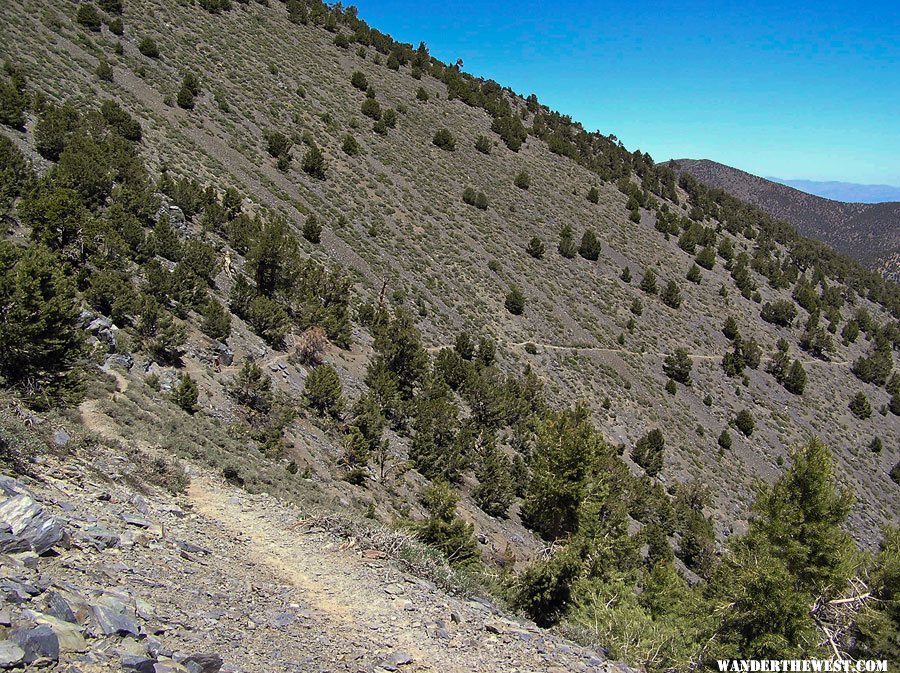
850 192
869 232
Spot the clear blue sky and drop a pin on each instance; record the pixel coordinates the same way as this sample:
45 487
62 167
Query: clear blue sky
794 89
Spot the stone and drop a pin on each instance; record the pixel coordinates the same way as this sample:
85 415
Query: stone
169 666
67 606
10 654
224 354
202 663
67 634
99 324
111 621
61 437
28 523
132 662
99 538
134 520
39 644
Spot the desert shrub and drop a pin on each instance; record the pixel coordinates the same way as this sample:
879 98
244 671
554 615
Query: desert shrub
147 46
744 422
444 140
535 247
185 394
314 163
515 301
88 16
483 144
860 406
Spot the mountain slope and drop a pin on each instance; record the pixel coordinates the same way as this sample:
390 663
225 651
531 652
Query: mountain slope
844 191
870 232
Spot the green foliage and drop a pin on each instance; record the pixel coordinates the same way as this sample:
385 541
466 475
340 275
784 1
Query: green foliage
593 195
271 257
436 449
878 624
371 108
782 312
422 95
725 440
252 388
730 328
671 295
625 276
13 100
706 258
515 301
323 391
510 130
535 247
40 340
185 394
694 274
216 321
120 121
495 491
860 407
104 71
472 198
445 531
590 246
53 129
111 6
147 47
190 89
544 590
876 367
522 179
313 163
359 81
566 246
744 422
277 144
312 230
15 173
648 282
677 366
563 464
648 452
483 144
444 140
88 16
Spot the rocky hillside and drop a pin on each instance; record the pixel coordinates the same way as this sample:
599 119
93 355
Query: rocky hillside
273 252
869 232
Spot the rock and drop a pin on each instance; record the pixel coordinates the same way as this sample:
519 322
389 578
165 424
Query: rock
61 437
10 487
5 619
99 538
67 634
39 644
28 523
10 654
16 592
493 627
113 621
399 659
202 663
134 520
131 662
169 666
123 360
99 324
68 607
224 354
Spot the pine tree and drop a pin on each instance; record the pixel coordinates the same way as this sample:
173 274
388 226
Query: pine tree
444 140
522 180
795 381
185 394
590 246
677 366
314 163
323 391
706 258
312 230
40 340
252 388
860 406
216 321
694 274
648 452
515 301
625 276
744 422
567 247
648 282
671 295
443 529
725 440
730 328
494 492
593 195
483 144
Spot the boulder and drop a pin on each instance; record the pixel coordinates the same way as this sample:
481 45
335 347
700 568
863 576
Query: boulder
10 654
132 662
29 524
98 537
39 645
61 437
202 663
67 634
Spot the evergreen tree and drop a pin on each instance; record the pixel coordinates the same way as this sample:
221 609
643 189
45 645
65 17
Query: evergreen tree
567 247
494 492
671 295
323 391
860 406
40 340
522 180
706 258
744 422
515 301
312 230
88 16
626 275
648 282
730 328
725 440
314 162
593 195
444 140
216 321
271 256
694 274
443 529
590 246
795 381
648 452
483 145
185 394
252 388
677 366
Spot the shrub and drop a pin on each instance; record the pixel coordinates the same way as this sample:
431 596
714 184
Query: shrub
535 247
483 144
111 6
693 274
104 71
359 81
216 321
277 144
510 130
323 391
494 492
677 366
88 16
566 246
782 312
310 346
625 276
147 46
515 301
121 122
350 146
371 108
744 422
444 140
725 440
314 163
522 180
422 95
593 195
443 530
473 198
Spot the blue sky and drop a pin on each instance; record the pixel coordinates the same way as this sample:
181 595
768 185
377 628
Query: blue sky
792 89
